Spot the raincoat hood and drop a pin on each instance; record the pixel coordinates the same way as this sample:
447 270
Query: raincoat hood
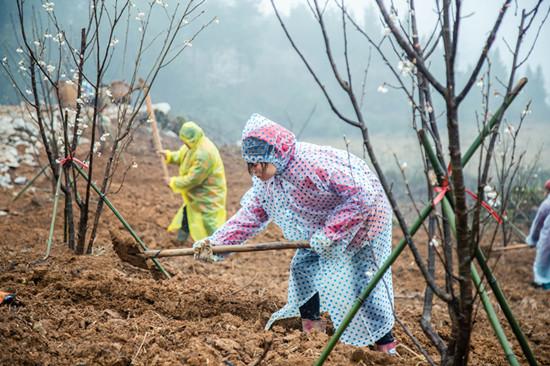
264 141
191 133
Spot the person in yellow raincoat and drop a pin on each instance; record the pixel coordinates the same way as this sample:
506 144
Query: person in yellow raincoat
201 183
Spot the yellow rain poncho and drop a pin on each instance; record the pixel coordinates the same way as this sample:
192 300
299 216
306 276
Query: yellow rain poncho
201 183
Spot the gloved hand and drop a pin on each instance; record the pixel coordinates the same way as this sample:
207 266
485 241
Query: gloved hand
319 242
203 251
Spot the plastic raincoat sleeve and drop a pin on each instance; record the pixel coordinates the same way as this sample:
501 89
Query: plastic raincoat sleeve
176 157
197 173
345 220
249 220
538 225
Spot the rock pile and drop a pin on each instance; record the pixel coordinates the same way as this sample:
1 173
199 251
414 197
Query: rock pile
19 144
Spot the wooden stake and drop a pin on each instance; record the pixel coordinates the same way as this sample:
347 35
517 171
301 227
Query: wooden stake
227 249
511 247
156 136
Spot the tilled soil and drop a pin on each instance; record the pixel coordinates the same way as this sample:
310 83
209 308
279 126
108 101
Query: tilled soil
96 310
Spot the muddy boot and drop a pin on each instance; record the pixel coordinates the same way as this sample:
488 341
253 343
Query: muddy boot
387 344
309 325
388 348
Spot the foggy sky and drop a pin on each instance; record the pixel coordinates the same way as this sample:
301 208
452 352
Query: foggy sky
479 17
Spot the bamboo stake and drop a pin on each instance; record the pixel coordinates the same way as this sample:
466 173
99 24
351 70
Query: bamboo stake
493 318
412 230
54 212
489 309
121 219
29 183
154 127
515 229
228 249
493 283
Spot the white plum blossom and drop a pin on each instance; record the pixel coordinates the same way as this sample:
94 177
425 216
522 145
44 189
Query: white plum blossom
434 243
28 91
187 43
79 101
59 38
4 60
108 93
405 67
37 43
480 83
404 165
48 6
19 50
216 20
387 31
50 68
140 16
134 165
113 42
104 137
382 89
47 35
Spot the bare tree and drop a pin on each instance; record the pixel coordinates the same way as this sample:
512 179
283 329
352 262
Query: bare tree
61 77
424 89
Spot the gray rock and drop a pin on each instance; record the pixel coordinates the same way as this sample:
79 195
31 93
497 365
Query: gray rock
20 180
5 181
170 133
8 156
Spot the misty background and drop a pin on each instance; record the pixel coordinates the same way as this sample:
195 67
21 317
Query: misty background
245 64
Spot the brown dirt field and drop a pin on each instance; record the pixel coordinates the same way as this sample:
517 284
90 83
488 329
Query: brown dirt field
88 310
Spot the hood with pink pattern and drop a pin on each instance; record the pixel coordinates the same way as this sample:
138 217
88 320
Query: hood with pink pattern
264 141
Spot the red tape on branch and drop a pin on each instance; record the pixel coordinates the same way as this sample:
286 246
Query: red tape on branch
486 206
69 158
445 188
441 191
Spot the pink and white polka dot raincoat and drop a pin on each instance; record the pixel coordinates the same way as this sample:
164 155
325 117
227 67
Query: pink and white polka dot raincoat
331 198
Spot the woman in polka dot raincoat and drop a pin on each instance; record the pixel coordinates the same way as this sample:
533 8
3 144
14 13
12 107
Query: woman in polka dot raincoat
331 198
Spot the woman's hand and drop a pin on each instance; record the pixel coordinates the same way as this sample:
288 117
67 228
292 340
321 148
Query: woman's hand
162 153
203 251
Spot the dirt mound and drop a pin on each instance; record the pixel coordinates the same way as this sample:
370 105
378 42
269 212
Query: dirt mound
127 249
